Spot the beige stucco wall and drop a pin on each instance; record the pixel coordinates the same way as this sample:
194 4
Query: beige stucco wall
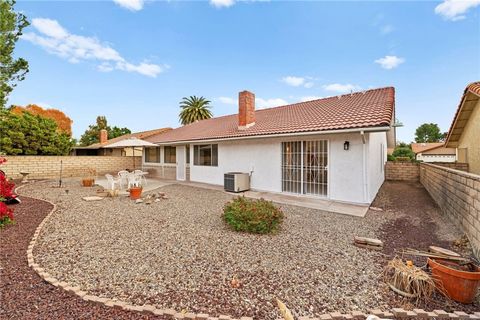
470 140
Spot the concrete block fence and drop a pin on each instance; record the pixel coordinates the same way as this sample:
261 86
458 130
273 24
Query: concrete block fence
47 167
410 171
457 193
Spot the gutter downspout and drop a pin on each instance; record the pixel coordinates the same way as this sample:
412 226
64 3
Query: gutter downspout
364 155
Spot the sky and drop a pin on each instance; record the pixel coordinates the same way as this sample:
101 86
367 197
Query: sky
134 60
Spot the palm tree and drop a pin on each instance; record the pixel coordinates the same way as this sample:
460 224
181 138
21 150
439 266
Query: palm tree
194 108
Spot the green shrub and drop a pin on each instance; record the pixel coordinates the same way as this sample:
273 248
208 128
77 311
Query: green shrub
390 157
254 216
403 152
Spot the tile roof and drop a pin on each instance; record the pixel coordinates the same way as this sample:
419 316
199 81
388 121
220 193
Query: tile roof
371 108
432 148
420 147
462 114
140 135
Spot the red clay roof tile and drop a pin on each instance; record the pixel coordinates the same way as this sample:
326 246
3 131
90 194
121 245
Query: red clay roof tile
371 108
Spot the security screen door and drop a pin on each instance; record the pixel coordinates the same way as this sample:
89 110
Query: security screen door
305 166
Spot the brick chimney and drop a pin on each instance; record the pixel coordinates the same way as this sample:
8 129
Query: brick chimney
103 136
246 110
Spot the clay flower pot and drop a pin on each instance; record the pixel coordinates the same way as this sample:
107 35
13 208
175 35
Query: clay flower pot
459 285
135 192
88 182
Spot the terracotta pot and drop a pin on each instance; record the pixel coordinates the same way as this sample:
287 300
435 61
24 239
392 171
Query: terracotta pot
459 285
135 193
88 182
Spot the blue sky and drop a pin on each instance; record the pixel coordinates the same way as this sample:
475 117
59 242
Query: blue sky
133 61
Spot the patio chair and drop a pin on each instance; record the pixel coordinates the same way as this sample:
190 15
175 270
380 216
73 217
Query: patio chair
123 177
141 175
112 182
133 180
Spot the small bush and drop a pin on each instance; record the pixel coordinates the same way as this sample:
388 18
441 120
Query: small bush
254 216
390 157
403 152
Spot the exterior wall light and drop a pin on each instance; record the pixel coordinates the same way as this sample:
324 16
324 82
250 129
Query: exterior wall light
346 145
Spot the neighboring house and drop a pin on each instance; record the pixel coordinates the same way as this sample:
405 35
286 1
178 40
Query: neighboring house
434 152
101 148
464 133
333 148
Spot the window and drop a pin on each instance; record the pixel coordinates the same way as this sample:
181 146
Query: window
187 151
152 155
205 155
170 155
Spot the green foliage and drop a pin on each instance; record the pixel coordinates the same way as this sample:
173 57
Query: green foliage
194 109
404 145
403 152
11 70
91 135
27 134
254 216
428 132
390 157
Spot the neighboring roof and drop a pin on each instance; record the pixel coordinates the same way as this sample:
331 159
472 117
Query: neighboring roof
421 147
140 135
469 99
371 108
432 148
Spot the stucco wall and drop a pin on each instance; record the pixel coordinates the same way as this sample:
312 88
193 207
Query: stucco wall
470 139
41 167
263 157
436 157
457 193
376 158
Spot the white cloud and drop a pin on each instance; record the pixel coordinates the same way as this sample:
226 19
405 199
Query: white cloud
293 81
133 5
390 62
298 81
269 103
341 88
386 29
227 100
310 98
222 3
455 10
53 38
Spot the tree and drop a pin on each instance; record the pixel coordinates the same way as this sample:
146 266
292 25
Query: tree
91 135
428 132
64 123
11 70
194 109
28 134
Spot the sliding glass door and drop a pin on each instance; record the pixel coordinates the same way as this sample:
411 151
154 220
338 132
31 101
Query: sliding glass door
305 167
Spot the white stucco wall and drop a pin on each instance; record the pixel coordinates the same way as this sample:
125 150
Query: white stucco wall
436 157
263 156
376 158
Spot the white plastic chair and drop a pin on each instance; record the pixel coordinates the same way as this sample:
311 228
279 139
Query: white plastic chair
123 177
141 175
112 182
133 180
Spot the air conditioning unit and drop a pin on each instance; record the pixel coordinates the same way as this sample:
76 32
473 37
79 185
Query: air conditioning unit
236 181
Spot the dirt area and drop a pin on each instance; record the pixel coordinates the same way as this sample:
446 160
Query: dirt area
415 221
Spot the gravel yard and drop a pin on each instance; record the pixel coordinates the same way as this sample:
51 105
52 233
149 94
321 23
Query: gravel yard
179 254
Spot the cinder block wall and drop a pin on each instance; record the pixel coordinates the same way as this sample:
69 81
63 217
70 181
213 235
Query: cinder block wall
458 195
401 171
44 167
410 171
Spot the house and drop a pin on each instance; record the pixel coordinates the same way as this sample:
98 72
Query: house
464 133
434 152
333 148
101 148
